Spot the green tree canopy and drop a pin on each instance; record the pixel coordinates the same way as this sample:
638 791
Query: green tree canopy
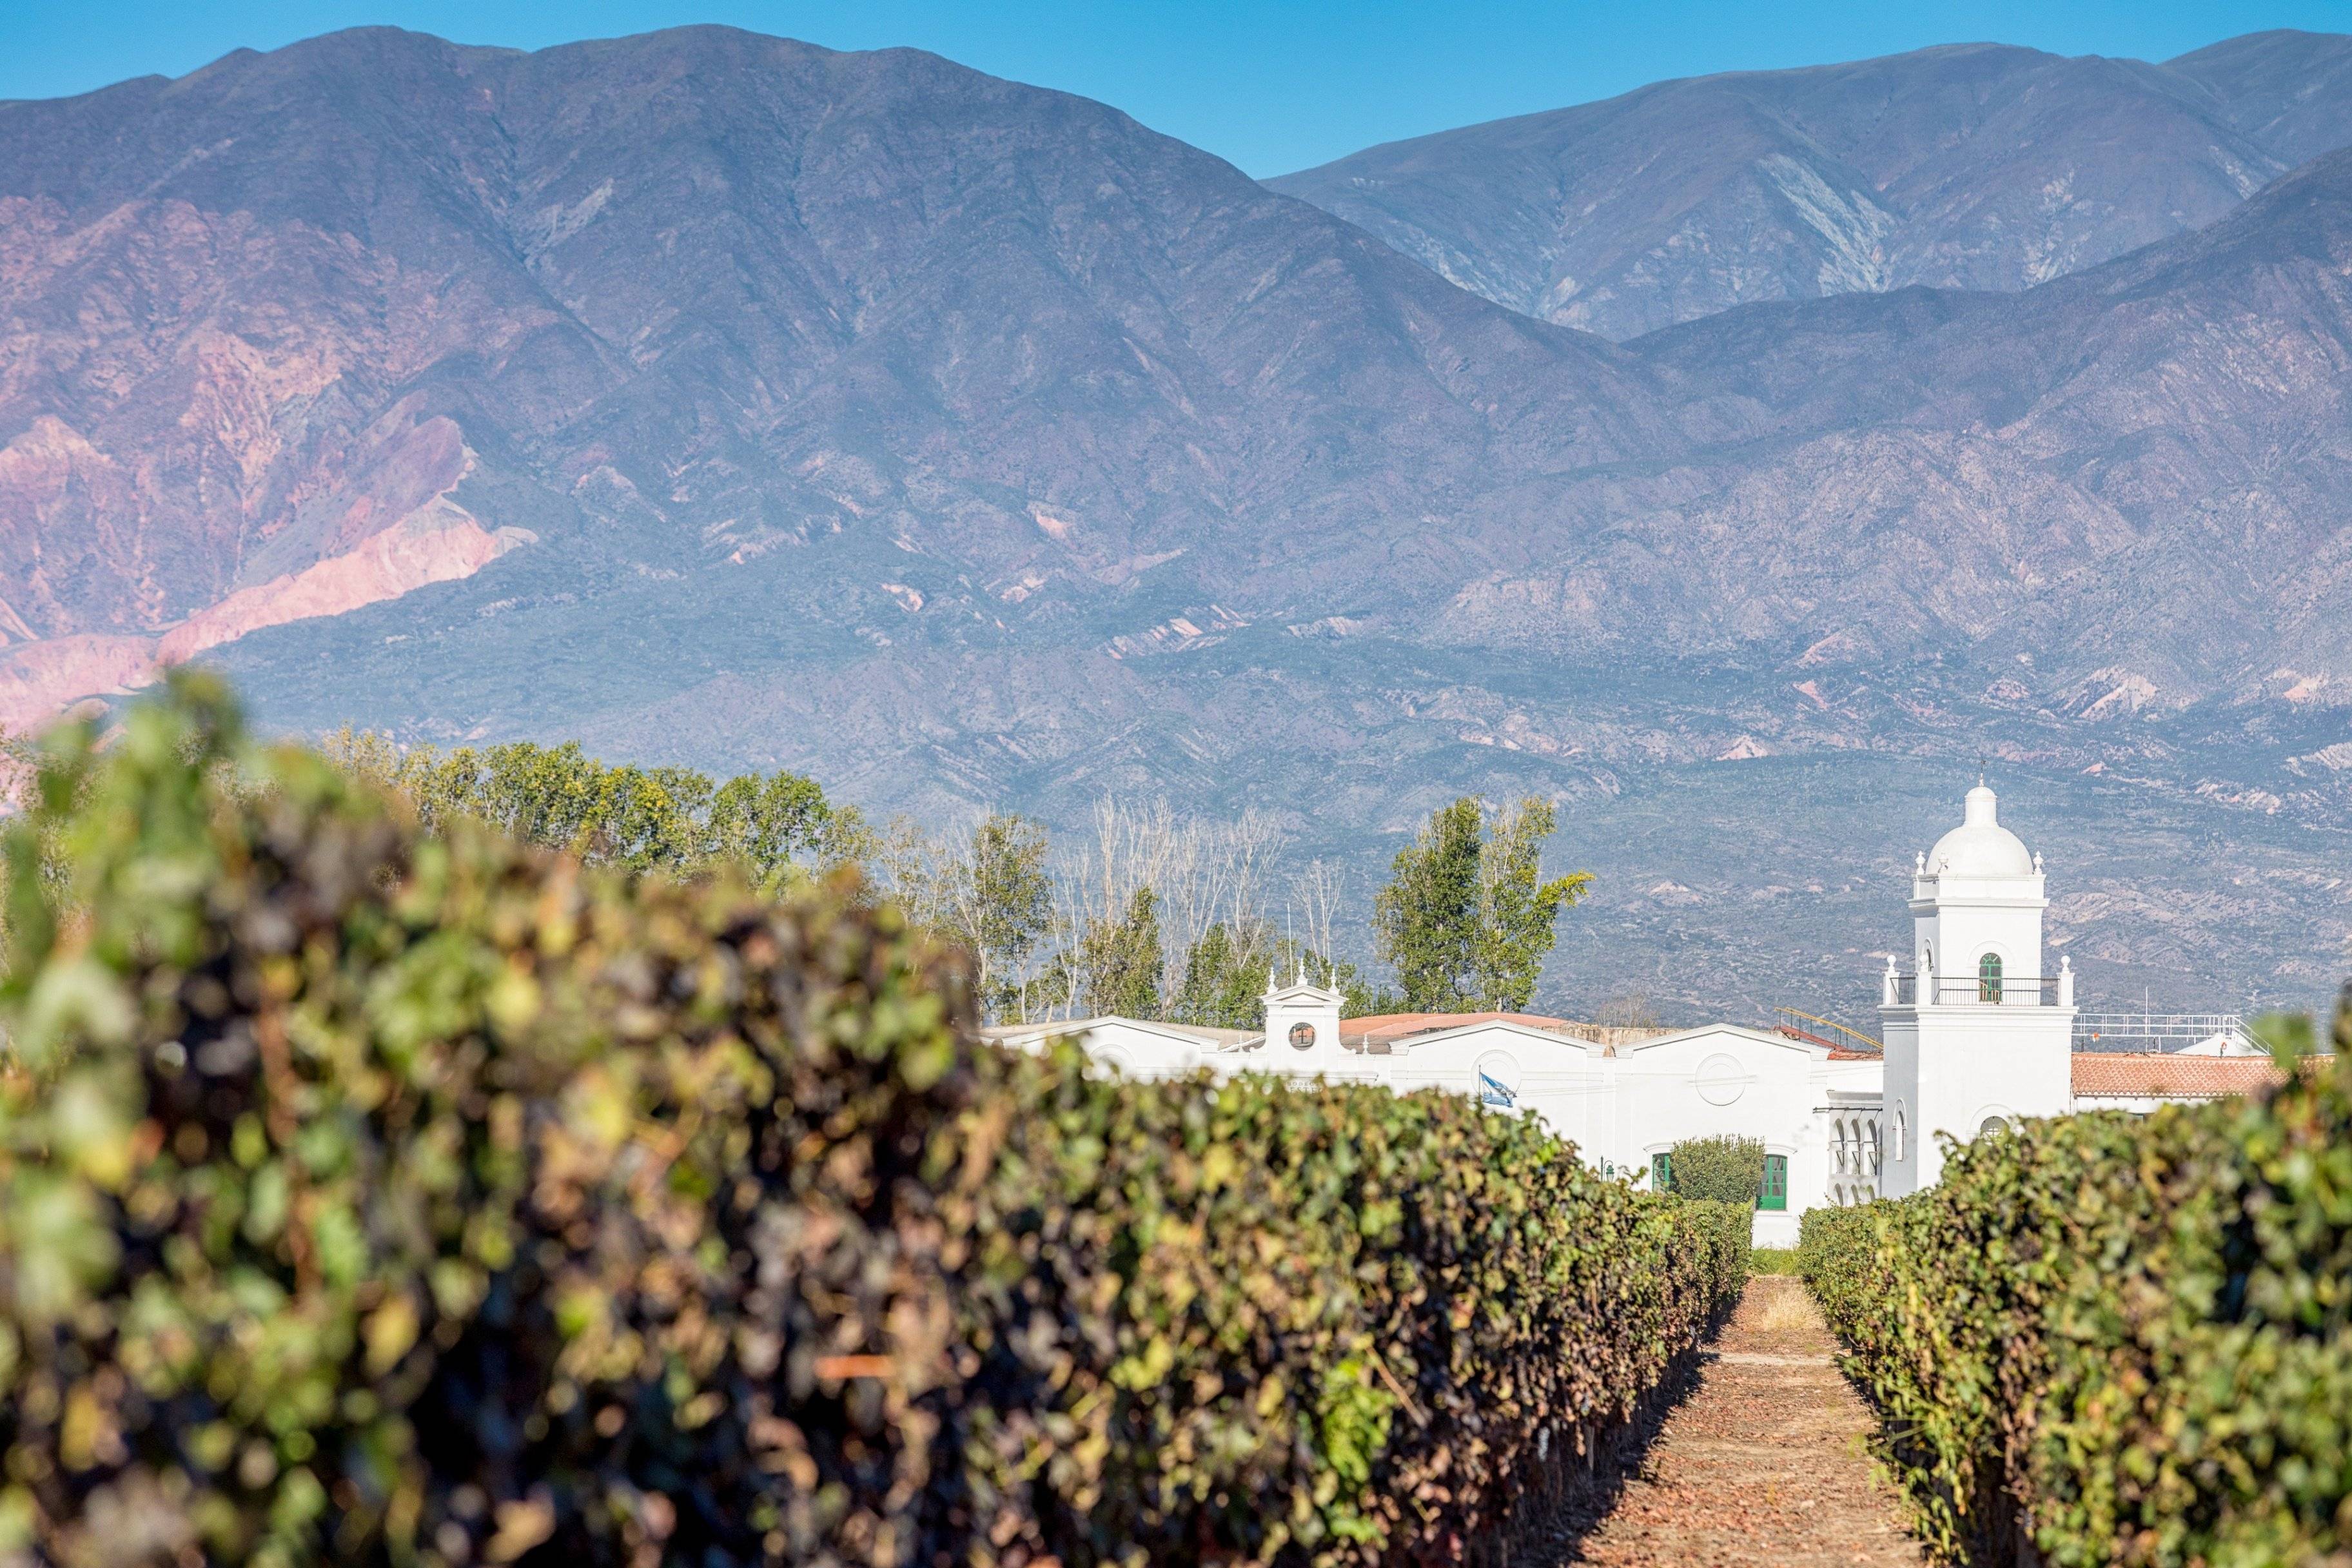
1000 905
1467 917
777 825
1222 984
1728 1170
1119 962
1226 975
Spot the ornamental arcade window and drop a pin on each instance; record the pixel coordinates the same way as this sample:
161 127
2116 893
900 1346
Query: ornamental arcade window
1989 977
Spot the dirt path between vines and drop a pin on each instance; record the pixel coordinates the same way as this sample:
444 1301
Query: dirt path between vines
1763 1463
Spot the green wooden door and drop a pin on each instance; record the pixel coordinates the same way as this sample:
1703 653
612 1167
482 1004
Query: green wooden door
1775 1194
1662 1172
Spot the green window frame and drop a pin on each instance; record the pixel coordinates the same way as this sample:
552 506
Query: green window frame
1775 1194
1662 1172
1989 977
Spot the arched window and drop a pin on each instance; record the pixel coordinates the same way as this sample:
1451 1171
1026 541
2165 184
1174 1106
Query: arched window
1901 1127
1989 977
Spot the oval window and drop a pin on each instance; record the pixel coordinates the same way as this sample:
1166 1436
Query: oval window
1302 1036
1720 1080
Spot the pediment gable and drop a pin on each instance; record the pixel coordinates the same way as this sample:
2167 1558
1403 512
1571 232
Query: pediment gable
1725 1033
1497 1030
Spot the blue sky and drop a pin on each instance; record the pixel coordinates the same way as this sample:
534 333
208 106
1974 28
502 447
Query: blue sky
1273 85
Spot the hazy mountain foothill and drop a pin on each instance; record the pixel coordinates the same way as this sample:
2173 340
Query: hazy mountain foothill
1741 463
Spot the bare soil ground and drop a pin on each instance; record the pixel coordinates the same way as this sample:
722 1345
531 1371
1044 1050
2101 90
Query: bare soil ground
1762 1465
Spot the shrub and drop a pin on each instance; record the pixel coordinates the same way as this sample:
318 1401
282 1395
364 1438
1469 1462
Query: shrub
1726 1170
2117 1339
374 1197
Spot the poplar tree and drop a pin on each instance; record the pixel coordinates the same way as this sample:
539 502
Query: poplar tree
1225 978
1467 917
1001 905
1223 983
1118 961
1518 911
1427 917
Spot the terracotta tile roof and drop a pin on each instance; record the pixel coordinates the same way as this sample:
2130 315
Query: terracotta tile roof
1840 1054
2128 1074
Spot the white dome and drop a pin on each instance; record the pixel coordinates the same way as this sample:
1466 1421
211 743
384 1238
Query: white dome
1980 846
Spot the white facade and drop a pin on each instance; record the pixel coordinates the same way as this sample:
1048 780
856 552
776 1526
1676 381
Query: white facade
1976 1036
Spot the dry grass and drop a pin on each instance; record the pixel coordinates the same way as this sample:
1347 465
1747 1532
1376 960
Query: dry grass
1786 1311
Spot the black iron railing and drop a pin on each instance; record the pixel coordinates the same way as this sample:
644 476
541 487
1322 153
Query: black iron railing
1980 990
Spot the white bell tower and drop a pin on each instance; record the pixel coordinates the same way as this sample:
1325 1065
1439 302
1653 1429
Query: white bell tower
1979 1032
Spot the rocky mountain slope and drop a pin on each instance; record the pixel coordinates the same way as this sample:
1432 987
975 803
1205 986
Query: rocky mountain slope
1969 166
712 397
687 301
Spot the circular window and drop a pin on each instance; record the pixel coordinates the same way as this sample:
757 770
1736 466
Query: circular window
1498 1085
1993 1124
1720 1080
1302 1036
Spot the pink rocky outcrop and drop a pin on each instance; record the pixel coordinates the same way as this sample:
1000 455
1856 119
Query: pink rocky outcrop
439 545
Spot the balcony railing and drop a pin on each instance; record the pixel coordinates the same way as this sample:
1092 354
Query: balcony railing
1979 991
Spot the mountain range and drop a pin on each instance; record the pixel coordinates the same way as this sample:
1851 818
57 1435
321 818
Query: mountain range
1972 166
713 397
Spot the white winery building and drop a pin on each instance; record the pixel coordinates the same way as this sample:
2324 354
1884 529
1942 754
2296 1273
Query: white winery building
1979 1030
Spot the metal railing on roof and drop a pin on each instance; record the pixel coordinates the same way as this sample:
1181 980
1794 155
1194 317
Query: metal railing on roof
2149 1031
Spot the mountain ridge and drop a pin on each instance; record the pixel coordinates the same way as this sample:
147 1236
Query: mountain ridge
709 398
1972 166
